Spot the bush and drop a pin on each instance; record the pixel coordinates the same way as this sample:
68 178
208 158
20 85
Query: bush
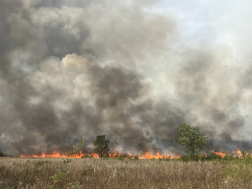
210 157
228 157
185 158
135 158
191 139
120 158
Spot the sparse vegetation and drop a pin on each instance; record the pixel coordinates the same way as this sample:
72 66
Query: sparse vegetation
62 169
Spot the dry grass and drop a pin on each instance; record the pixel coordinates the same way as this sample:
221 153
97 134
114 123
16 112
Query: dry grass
112 173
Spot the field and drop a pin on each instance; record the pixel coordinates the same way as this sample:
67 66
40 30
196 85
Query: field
105 173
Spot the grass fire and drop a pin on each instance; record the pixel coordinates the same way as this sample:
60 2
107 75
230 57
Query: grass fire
194 169
103 94
146 155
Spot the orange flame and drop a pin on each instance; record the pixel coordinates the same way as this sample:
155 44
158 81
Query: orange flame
219 153
147 155
233 152
57 155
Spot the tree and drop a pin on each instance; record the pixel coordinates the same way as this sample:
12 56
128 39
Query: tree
101 145
191 139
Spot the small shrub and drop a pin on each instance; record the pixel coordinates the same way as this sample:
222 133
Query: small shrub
211 156
229 157
75 185
120 158
136 158
62 169
185 158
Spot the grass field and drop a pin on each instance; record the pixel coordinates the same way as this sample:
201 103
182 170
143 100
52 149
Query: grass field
113 173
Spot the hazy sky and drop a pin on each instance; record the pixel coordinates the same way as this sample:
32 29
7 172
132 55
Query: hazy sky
224 22
132 70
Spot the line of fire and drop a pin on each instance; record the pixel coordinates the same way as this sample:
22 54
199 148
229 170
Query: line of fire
146 155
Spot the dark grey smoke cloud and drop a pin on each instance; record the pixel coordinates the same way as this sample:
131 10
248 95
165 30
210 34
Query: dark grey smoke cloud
77 69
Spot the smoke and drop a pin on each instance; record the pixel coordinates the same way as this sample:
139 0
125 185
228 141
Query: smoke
78 69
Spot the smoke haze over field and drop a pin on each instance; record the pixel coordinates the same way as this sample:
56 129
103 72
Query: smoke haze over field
81 68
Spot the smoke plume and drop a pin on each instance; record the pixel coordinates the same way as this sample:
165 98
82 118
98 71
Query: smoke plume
78 69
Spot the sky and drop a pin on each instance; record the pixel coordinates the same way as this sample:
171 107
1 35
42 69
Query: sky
224 22
133 71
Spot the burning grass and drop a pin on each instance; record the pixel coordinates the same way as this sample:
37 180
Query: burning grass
80 154
112 173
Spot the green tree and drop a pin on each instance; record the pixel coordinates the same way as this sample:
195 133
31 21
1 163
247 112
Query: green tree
101 145
191 139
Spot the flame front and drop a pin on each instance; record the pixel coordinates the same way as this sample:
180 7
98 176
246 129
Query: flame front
146 155
57 155
238 152
219 153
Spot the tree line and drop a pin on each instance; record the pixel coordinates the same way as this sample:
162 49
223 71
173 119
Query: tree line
190 138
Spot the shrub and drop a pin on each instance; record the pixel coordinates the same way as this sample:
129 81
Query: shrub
191 139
